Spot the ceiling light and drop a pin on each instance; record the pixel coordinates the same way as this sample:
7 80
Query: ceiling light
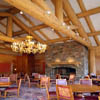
29 46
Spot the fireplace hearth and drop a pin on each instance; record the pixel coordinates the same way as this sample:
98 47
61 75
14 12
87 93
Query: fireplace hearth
63 71
56 57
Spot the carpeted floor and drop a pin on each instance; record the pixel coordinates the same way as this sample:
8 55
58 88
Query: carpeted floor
32 93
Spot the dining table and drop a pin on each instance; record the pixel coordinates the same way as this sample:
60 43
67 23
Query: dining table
5 84
80 88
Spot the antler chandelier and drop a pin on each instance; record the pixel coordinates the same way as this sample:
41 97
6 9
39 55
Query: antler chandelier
29 46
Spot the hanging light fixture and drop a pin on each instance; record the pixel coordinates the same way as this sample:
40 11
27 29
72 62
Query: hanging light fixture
28 46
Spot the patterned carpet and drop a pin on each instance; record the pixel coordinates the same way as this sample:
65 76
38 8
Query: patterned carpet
32 93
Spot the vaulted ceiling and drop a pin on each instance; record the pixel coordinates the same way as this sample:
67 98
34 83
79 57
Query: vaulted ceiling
50 21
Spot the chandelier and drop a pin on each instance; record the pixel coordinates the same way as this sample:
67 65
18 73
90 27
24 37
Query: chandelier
28 46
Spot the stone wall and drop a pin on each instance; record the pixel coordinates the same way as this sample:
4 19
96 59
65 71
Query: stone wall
64 50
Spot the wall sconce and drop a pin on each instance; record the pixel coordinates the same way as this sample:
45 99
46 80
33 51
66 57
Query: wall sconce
57 60
70 60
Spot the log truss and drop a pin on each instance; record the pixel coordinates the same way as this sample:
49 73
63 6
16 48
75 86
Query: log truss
61 24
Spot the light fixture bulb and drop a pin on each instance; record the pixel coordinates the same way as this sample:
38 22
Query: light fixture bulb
21 12
68 27
63 24
48 12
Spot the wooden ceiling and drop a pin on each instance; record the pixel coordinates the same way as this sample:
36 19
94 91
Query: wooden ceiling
64 23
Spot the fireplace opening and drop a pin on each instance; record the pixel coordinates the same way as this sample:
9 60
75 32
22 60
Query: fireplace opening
63 71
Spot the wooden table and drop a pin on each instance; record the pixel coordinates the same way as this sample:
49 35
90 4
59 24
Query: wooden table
85 88
96 79
5 84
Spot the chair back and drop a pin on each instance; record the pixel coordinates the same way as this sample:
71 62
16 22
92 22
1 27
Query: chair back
61 82
71 76
87 77
58 76
36 75
98 76
64 92
44 81
86 81
13 78
4 79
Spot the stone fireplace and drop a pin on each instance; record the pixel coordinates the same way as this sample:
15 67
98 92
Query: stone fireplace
56 59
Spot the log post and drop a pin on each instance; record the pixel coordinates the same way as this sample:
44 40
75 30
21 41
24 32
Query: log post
92 61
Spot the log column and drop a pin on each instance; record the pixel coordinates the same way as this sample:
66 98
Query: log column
92 61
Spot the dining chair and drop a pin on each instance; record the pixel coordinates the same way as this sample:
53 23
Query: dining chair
92 98
86 81
64 92
36 75
13 90
50 94
29 82
58 76
44 81
61 82
98 76
71 78
87 77
13 78
4 79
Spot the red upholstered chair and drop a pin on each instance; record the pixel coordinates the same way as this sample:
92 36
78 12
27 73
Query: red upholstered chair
50 94
13 90
92 98
86 81
61 82
64 92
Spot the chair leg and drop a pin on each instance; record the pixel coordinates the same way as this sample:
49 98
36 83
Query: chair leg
18 93
5 94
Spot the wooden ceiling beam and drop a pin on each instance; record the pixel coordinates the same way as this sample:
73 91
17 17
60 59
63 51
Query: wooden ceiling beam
7 39
94 33
38 27
38 13
3 24
27 19
57 40
71 14
3 14
42 4
5 6
88 20
59 9
9 26
89 12
21 24
33 29
85 13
